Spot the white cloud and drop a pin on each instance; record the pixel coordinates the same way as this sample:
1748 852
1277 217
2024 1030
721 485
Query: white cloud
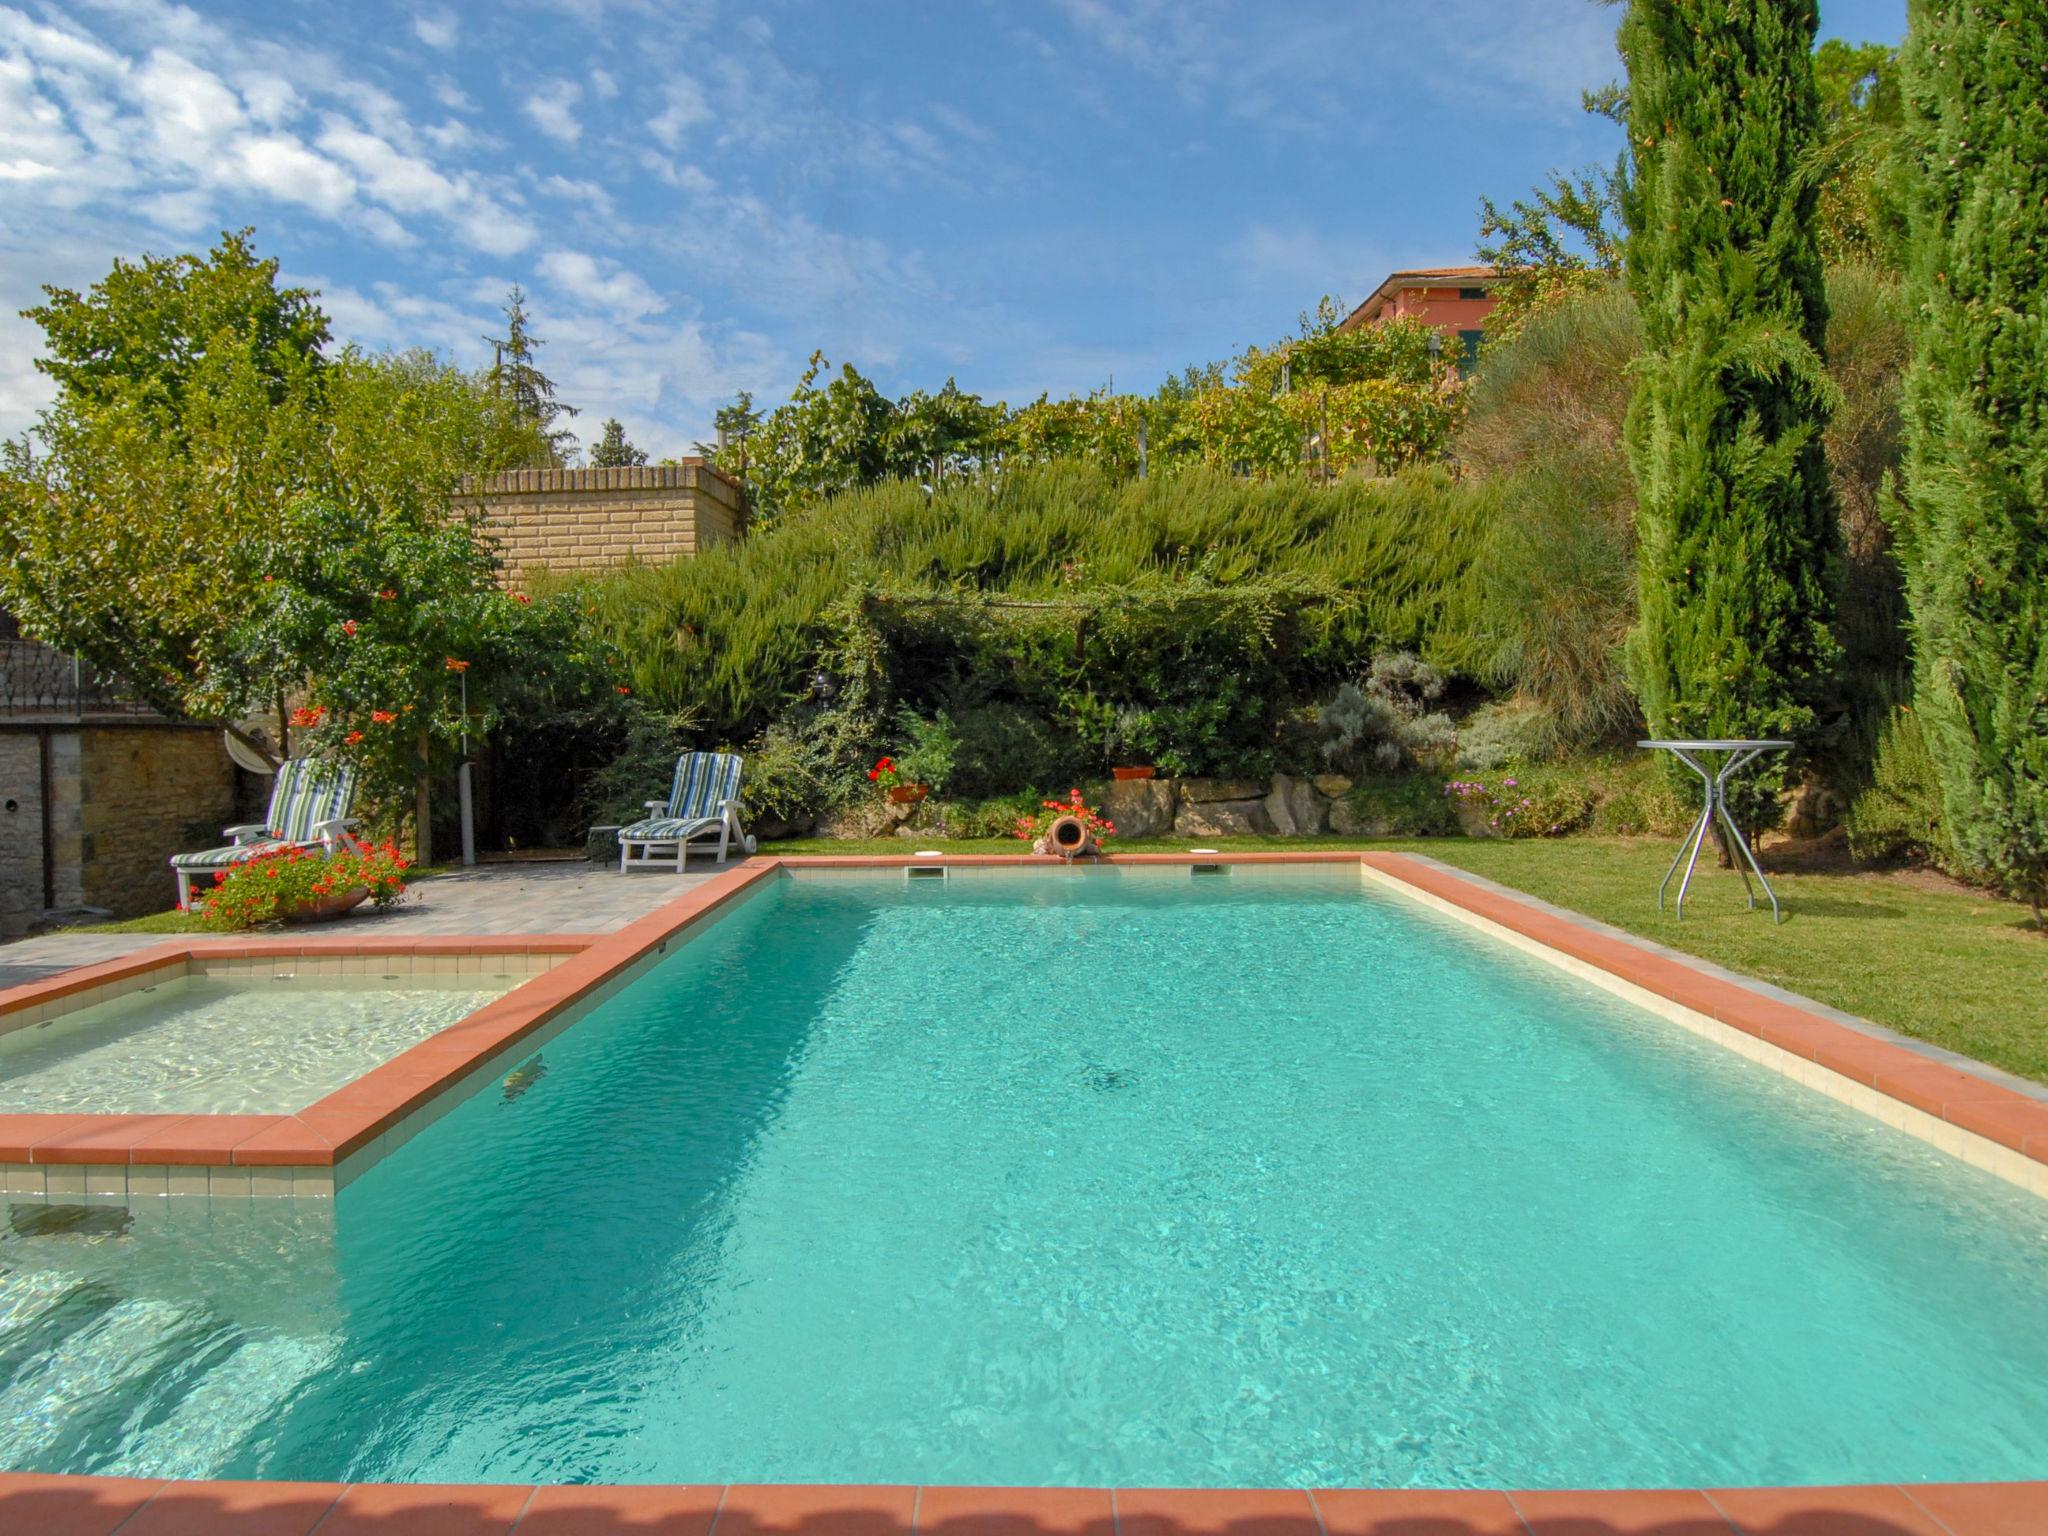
437 29
602 85
404 181
573 191
450 94
603 285
685 107
189 108
280 165
552 107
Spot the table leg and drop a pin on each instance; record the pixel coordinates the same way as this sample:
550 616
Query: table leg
1692 840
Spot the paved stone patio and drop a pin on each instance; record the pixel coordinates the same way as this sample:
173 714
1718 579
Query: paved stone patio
492 898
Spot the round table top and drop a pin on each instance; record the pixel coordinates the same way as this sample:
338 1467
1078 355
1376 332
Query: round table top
1715 746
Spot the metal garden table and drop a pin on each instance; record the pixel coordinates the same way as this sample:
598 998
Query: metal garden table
1725 760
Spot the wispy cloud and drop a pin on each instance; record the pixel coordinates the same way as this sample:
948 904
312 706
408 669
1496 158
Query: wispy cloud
552 107
437 29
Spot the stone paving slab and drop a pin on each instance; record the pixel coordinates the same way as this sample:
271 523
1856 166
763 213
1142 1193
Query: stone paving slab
490 899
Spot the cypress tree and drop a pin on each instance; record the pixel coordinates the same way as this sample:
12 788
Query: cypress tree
1974 527
1734 513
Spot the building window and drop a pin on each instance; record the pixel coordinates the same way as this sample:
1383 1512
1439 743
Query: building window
1468 352
1471 293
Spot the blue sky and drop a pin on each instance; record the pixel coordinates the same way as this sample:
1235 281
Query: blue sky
696 195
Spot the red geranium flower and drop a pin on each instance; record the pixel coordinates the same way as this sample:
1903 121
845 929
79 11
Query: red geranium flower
522 599
353 737
348 627
381 717
622 688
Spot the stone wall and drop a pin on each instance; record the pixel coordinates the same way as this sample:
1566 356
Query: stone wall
145 793
585 519
21 831
1287 806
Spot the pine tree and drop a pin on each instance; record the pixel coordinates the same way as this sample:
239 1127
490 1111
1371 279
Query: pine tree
515 375
1974 527
613 451
1734 513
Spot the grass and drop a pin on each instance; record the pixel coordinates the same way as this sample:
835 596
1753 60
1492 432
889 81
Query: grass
1953 967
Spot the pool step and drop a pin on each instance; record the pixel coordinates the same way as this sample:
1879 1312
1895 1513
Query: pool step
91 1380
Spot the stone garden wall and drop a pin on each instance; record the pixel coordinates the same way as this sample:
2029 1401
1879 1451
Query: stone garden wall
1288 807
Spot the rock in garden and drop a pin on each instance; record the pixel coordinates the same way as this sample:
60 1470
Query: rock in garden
1294 807
1139 807
1223 818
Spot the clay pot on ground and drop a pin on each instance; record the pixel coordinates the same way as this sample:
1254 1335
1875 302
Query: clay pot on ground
1136 771
326 908
1068 836
908 794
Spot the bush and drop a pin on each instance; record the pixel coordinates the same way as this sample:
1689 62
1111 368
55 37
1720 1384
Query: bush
1899 816
1005 746
1521 805
1404 805
1386 726
1054 581
787 783
1508 733
933 747
643 770
996 816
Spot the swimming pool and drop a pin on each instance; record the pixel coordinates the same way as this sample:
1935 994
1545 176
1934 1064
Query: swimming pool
1116 1177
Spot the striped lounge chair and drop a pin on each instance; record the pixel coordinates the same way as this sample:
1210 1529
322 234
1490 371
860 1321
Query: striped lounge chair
310 801
703 803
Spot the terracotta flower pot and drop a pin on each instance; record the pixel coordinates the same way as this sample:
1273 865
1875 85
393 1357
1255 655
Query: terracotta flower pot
323 908
908 794
1145 772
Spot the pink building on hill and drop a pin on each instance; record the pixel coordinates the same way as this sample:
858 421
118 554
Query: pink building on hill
1456 300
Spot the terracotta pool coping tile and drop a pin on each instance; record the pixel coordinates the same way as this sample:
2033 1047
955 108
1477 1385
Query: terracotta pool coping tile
586 1510
1216 1512
2011 1121
99 1139
1877 1510
198 1139
426 1509
81 978
50 1504
234 1509
1984 1509
946 1511
1929 1085
1620 1512
818 1509
286 1143
20 1133
1417 1512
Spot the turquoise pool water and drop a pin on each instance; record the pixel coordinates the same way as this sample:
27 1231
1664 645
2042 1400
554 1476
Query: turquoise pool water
1103 1178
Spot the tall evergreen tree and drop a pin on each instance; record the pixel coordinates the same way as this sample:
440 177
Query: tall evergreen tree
1734 514
612 451
1974 529
517 376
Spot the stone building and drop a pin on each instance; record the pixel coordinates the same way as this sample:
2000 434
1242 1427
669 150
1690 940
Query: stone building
95 793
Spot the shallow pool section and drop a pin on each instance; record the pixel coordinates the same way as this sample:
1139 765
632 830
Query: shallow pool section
228 1044
1111 1178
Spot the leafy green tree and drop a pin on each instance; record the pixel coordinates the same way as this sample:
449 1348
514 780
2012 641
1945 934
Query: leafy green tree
146 517
143 336
517 376
1735 519
613 451
1974 525
1861 114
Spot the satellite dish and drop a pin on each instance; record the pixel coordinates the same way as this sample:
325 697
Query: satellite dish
247 757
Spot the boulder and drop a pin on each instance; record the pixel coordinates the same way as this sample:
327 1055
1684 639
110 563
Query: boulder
1331 786
1346 822
1138 807
1222 818
1200 790
1294 807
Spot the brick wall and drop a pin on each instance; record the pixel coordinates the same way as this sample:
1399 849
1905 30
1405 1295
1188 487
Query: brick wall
145 793
584 519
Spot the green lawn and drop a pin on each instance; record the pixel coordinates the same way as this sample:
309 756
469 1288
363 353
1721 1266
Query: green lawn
1958 969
